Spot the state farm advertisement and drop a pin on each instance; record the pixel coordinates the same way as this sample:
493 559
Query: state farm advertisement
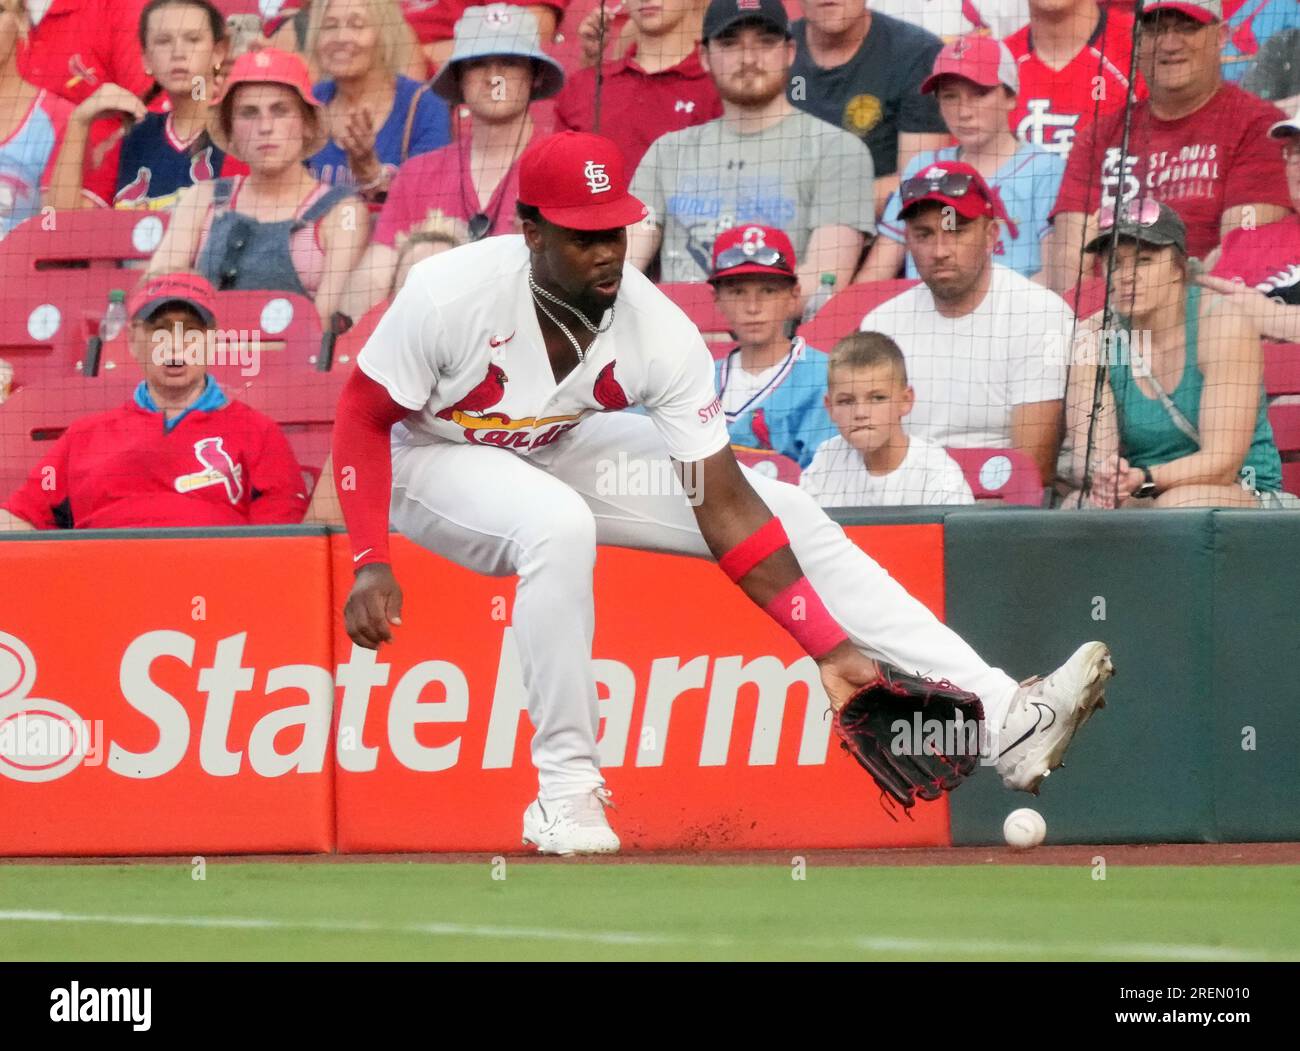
200 696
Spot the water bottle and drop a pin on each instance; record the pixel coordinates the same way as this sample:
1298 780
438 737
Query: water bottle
114 317
825 289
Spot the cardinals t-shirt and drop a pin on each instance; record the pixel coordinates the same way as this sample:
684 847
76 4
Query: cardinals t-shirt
156 164
462 349
1054 105
1201 165
1266 258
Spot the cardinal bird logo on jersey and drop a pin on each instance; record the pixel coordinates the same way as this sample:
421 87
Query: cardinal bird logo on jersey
201 166
608 392
136 190
490 390
759 423
218 469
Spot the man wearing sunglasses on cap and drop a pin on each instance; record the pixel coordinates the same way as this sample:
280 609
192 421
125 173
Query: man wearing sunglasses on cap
1196 143
483 420
771 385
985 346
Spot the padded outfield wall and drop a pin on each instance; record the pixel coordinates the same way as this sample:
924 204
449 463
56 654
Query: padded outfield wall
221 709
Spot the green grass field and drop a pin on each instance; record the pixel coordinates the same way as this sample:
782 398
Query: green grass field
423 911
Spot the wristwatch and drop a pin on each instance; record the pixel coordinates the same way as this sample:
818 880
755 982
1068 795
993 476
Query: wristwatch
1147 490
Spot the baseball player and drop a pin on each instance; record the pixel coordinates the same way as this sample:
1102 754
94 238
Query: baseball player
498 373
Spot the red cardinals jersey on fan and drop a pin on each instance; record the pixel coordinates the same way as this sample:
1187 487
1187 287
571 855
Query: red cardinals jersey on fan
119 469
1054 105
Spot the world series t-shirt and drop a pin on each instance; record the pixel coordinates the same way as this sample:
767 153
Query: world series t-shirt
1200 165
877 93
1055 105
462 349
1266 258
797 175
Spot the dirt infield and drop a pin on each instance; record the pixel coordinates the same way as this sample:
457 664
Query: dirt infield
1143 854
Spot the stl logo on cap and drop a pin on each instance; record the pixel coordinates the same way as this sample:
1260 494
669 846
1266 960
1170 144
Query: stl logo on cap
261 60
497 18
752 240
596 177
959 47
748 5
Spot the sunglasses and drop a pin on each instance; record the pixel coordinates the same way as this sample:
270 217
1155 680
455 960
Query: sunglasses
1144 211
949 184
763 255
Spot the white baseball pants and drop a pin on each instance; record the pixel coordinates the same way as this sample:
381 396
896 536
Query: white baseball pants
541 517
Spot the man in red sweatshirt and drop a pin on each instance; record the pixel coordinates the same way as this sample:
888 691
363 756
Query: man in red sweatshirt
179 453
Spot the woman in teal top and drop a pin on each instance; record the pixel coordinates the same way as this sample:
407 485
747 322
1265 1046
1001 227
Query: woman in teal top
1183 418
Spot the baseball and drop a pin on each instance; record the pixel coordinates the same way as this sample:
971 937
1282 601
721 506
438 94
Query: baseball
1024 828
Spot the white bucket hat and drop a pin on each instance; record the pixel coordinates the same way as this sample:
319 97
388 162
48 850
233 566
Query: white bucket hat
498 29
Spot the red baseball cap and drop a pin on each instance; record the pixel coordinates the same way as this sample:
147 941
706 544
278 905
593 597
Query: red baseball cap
744 250
269 66
1203 11
578 180
191 290
965 192
983 60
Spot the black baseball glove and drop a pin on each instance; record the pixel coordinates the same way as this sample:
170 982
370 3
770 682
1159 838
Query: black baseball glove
915 737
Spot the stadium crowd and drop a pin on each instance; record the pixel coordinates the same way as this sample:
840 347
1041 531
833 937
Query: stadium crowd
968 171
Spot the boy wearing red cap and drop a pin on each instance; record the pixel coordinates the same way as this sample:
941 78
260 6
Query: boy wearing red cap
976 83
985 347
179 453
771 385
483 421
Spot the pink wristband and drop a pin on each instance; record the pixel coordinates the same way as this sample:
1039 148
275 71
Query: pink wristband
813 628
769 537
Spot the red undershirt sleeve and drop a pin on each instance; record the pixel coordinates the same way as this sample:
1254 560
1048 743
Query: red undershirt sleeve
363 466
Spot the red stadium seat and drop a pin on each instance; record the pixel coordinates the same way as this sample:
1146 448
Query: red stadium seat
87 238
1006 475
56 272
772 464
696 299
844 311
1281 368
35 416
1285 420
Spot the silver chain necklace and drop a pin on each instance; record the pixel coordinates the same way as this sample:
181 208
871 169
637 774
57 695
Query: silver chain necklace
539 293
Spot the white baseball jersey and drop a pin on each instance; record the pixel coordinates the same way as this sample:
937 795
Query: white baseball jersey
461 347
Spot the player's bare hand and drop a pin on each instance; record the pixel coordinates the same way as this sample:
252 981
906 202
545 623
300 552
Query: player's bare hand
845 670
374 604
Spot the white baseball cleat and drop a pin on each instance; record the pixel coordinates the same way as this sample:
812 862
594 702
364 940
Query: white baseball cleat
571 825
1046 714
